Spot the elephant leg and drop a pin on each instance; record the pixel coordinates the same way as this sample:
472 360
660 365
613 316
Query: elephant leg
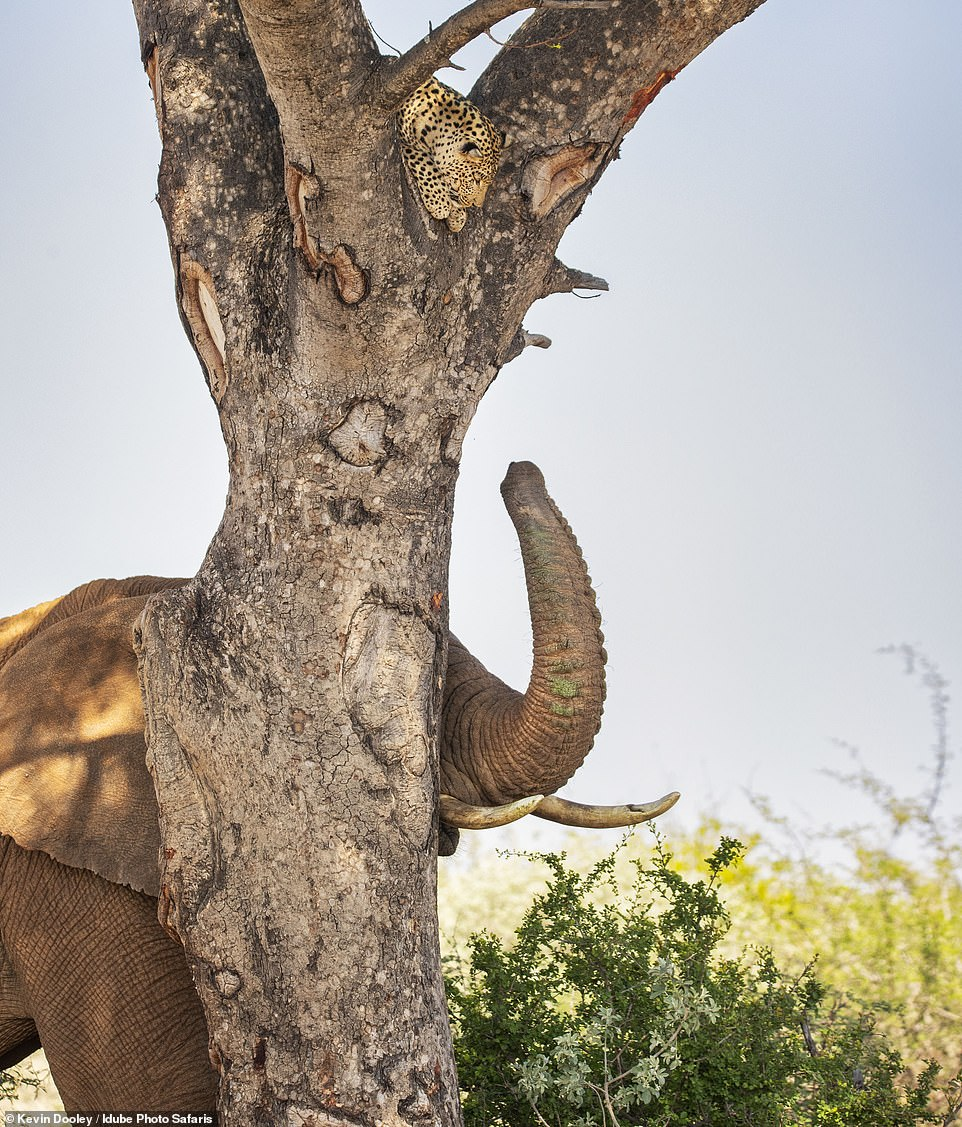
109 992
18 1034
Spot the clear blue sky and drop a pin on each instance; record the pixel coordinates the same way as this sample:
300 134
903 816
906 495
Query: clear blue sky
757 434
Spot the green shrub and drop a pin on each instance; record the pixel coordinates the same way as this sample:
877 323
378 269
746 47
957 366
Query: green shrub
614 1007
886 915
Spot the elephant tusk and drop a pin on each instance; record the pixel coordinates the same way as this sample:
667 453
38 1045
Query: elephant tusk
569 813
466 816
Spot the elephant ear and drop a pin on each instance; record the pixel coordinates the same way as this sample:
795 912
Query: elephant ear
73 776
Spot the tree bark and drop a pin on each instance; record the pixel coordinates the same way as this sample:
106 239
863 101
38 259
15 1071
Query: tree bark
292 688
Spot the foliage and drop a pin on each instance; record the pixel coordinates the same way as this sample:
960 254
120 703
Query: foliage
619 1006
28 1085
887 920
879 904
888 932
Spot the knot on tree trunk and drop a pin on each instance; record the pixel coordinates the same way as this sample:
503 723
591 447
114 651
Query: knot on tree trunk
552 177
199 303
350 281
360 439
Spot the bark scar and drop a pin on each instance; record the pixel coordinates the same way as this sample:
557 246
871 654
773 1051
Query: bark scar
645 96
198 300
387 671
360 438
187 861
552 177
150 56
350 281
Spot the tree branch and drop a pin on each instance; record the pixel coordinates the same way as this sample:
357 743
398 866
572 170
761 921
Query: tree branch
565 279
629 58
312 53
437 47
214 115
568 110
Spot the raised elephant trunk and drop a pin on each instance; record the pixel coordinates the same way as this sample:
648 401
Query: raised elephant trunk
499 744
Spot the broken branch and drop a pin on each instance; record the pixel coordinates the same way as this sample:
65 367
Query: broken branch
565 279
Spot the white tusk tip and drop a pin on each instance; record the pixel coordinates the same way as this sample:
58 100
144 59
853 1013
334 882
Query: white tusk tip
592 817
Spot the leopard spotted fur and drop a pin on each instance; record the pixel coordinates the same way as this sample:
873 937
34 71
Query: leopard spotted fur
451 150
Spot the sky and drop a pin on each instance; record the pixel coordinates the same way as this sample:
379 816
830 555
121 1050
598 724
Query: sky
756 434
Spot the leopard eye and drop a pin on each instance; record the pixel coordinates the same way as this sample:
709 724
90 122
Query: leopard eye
470 149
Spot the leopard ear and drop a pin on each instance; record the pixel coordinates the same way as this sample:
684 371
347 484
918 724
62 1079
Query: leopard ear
505 139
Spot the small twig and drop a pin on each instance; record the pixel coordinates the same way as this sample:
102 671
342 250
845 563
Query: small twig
808 1038
381 39
534 1108
555 44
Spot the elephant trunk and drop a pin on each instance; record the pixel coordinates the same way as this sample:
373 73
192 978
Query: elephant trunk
499 744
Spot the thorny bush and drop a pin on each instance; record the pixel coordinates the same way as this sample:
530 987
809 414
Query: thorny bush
615 1007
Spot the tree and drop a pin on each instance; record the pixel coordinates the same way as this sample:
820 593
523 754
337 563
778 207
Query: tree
291 687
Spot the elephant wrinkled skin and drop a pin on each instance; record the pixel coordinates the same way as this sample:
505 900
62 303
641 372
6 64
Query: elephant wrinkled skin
89 974
84 965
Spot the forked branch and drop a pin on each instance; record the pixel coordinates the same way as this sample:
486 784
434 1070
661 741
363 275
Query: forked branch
437 47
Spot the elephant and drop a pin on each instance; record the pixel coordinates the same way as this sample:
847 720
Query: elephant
86 970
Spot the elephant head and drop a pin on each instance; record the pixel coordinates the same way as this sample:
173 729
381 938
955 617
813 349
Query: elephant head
73 780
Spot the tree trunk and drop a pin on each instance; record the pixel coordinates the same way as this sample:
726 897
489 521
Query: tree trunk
293 687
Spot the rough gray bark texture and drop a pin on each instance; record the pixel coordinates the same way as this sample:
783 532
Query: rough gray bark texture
292 687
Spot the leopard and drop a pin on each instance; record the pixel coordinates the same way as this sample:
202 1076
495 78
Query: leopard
451 151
